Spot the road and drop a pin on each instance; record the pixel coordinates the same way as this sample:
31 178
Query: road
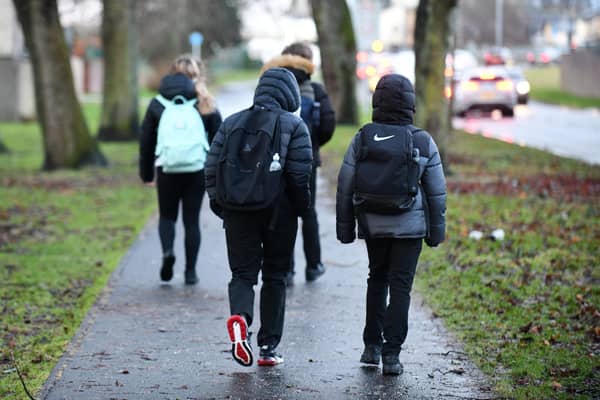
559 130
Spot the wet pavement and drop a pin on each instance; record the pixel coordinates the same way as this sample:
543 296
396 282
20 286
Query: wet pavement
147 340
560 130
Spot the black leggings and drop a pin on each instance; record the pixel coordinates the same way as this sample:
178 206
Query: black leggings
187 188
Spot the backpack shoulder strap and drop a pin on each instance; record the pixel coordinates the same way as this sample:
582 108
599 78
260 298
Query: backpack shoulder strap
163 100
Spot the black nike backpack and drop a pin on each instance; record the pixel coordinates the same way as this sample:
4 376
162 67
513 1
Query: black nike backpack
387 170
249 171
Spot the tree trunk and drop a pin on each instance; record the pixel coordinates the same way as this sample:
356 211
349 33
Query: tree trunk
120 120
3 148
67 140
432 32
338 56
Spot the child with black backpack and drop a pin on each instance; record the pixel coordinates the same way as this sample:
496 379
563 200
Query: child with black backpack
392 183
318 114
257 175
176 132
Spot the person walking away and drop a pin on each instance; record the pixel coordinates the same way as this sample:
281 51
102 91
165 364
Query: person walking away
391 182
319 116
176 132
257 174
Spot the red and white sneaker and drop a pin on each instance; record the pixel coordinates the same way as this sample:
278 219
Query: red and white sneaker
269 357
238 333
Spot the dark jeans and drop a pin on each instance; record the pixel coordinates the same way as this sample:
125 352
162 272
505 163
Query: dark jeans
187 189
310 228
392 264
254 243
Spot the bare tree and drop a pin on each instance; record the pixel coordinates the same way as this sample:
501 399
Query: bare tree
120 120
338 55
432 32
67 140
166 24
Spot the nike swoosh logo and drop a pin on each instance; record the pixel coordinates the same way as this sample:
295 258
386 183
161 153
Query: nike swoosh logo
380 138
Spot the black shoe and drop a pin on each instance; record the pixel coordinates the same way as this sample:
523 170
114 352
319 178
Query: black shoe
289 279
166 271
190 276
313 273
371 355
269 357
392 365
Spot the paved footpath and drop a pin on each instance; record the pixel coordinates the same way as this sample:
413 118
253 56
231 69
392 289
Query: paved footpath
147 340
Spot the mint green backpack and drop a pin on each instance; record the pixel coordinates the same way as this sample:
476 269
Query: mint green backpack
182 143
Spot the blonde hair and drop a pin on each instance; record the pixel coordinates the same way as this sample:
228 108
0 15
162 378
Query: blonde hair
194 69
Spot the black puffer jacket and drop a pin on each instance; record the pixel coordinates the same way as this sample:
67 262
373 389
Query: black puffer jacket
393 110
170 86
277 90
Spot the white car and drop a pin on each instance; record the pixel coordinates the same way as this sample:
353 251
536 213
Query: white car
485 89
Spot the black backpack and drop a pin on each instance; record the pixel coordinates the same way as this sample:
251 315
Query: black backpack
386 171
249 172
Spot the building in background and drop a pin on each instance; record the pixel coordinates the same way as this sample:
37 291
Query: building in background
16 79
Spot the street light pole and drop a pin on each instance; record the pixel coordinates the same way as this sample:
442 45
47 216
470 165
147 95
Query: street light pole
499 21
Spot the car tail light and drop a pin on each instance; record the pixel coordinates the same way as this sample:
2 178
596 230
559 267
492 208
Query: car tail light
469 86
448 92
362 56
504 86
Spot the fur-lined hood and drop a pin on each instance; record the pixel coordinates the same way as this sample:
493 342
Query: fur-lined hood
290 60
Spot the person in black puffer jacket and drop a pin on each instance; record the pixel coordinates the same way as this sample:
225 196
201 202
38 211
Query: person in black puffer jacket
393 241
186 79
297 58
263 240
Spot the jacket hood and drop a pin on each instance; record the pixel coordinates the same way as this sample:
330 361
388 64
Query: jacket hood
277 88
299 66
177 84
290 60
394 100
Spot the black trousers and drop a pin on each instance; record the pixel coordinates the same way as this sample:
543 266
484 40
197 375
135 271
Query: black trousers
392 265
186 189
256 241
310 228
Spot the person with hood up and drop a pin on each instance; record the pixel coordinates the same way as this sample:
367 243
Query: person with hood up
318 114
185 83
391 182
260 239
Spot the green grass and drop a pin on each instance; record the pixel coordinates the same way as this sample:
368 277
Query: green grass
526 308
545 87
61 235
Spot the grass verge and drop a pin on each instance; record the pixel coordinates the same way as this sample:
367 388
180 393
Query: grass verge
61 236
545 87
526 308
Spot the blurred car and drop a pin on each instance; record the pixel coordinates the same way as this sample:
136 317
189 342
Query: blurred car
547 55
485 89
498 56
522 86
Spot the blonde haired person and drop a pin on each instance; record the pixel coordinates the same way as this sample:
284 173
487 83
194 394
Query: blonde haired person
184 84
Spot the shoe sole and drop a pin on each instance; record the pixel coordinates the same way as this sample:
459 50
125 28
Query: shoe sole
313 276
238 334
166 271
392 370
269 361
369 361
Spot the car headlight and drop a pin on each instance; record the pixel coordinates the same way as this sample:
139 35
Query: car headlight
523 87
